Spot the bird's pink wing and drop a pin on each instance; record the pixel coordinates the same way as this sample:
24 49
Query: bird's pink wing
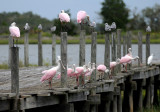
112 64
64 17
69 72
101 68
15 32
48 75
125 59
80 16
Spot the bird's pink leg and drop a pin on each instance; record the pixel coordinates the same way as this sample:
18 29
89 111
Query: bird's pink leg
126 67
77 81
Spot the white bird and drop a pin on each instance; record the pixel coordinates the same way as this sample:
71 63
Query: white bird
148 29
26 27
150 58
40 27
113 26
92 24
53 28
107 27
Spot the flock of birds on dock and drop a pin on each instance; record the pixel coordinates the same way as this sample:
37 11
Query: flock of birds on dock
85 70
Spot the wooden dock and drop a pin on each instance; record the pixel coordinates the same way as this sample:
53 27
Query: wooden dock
99 96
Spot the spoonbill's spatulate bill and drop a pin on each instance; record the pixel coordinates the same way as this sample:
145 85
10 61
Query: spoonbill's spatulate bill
14 32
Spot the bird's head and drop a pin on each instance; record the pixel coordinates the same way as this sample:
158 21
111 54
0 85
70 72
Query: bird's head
62 11
129 49
118 61
58 58
13 24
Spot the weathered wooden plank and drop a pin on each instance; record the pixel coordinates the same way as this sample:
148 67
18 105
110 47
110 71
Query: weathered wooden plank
140 48
94 99
119 103
93 54
10 42
147 99
82 54
40 56
26 50
113 46
39 101
73 97
64 59
107 53
119 48
4 105
15 70
124 45
53 49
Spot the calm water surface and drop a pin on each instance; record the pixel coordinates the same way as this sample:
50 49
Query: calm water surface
73 53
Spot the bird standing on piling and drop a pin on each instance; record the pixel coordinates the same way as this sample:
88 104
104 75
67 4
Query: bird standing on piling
64 18
113 64
150 58
107 27
14 32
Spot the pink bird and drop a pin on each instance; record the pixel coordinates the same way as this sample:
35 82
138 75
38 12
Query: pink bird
81 15
49 74
127 59
64 18
70 72
90 70
14 32
113 64
80 71
102 69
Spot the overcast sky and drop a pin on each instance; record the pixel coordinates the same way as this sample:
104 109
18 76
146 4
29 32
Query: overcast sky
51 8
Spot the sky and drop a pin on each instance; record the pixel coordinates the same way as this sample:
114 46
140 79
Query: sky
51 8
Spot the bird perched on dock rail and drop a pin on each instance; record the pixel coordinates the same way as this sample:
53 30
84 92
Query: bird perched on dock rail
113 26
112 65
14 32
150 59
102 69
64 18
127 59
49 74
107 27
81 15
27 27
148 29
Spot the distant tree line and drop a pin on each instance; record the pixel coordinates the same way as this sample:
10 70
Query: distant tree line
111 11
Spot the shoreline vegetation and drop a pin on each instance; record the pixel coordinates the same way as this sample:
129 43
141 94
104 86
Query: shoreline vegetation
47 38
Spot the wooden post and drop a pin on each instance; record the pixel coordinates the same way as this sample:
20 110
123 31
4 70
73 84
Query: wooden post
140 44
156 86
15 76
119 48
53 29
107 53
93 54
124 45
147 46
113 46
137 96
9 54
40 58
82 54
119 103
129 45
128 96
147 99
26 50
53 49
64 59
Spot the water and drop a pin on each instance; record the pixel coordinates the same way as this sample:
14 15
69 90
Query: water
73 53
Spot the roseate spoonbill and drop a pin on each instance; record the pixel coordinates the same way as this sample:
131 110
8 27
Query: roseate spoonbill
49 74
70 72
102 69
107 27
150 58
127 59
14 32
64 18
81 15
113 64
80 71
